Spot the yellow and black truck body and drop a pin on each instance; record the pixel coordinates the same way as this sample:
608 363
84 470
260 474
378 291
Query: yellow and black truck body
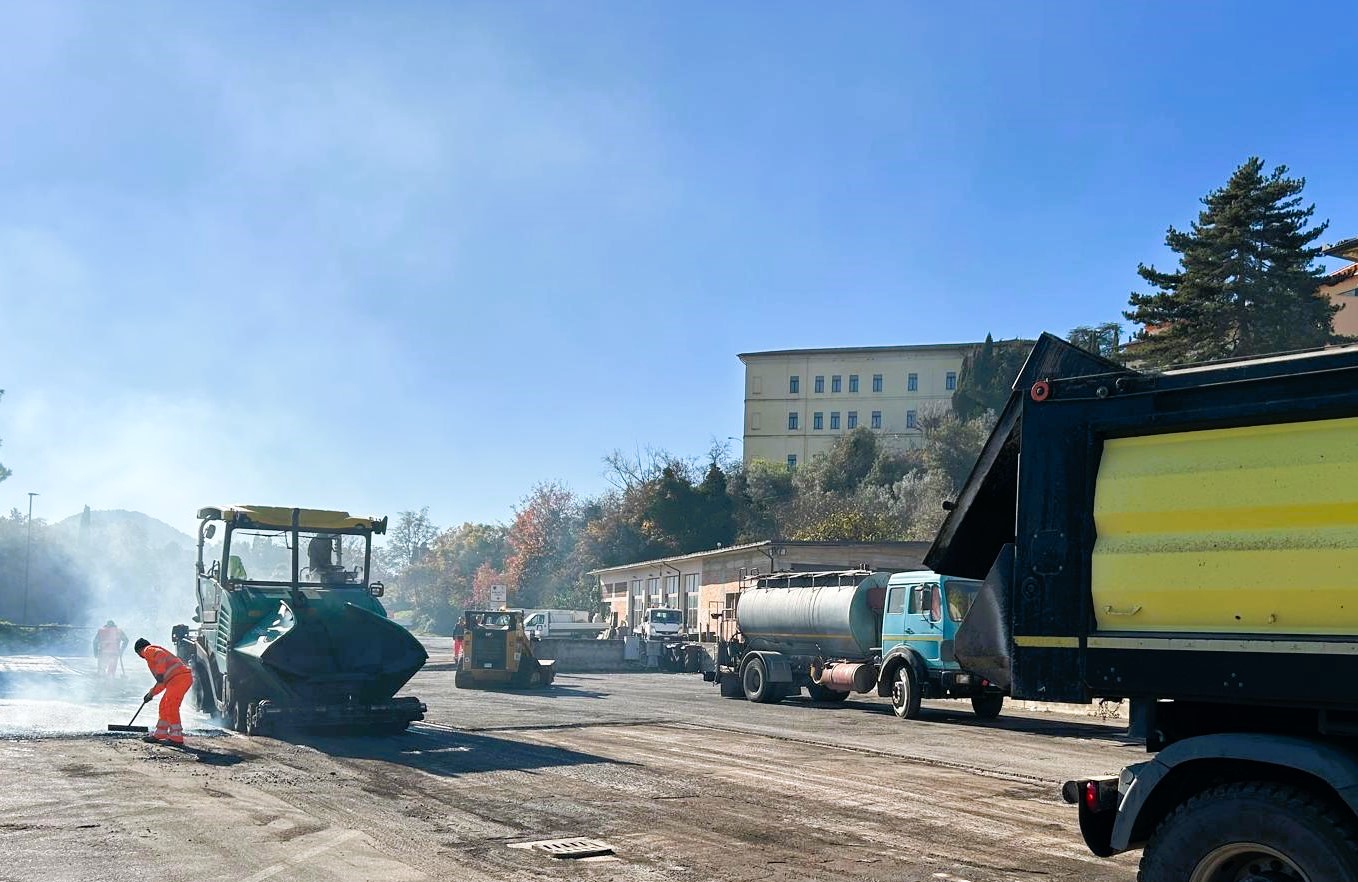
1187 540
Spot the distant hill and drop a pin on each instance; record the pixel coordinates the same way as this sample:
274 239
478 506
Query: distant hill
127 528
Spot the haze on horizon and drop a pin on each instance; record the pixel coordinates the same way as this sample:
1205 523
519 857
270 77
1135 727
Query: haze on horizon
375 258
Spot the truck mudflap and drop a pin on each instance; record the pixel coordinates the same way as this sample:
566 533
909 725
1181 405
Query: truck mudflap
1097 799
396 713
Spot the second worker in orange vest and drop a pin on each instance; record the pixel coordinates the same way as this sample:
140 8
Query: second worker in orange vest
173 678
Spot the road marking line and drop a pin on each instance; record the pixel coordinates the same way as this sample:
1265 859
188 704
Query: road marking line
307 855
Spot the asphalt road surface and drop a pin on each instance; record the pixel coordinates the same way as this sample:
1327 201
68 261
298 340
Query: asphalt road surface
682 784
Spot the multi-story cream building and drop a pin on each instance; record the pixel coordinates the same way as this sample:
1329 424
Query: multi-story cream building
1341 286
798 401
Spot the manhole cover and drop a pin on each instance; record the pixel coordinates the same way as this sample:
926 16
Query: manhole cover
570 848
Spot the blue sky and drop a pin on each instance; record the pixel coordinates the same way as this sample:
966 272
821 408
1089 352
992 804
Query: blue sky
378 256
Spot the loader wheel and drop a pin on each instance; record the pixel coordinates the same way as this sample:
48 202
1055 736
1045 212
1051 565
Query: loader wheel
905 693
1252 832
988 705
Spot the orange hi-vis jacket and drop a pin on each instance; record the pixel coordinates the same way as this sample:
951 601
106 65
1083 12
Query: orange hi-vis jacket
164 665
109 640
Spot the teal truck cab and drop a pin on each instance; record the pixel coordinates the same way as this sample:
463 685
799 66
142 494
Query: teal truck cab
836 633
919 623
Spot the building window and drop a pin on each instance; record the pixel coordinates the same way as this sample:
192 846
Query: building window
792 421
691 602
791 461
853 419
820 385
834 419
794 384
912 382
638 599
877 382
835 383
653 589
817 421
853 384
754 421
910 421
672 591
877 419
950 381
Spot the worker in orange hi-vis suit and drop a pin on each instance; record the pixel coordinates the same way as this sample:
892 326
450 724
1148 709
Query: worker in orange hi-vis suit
109 643
173 678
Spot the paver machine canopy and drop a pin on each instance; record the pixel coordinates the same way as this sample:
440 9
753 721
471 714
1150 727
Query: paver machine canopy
290 628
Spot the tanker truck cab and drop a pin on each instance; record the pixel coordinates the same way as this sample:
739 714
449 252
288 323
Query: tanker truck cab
919 623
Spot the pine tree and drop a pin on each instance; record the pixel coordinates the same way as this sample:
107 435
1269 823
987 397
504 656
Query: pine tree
1247 282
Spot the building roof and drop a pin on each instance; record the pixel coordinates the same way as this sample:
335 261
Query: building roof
767 543
1340 275
856 350
1344 248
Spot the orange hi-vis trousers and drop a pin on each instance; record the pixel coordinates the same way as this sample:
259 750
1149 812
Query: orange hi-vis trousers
168 727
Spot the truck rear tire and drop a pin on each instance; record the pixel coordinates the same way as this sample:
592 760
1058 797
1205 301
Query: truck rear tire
1252 830
755 680
825 694
905 694
987 705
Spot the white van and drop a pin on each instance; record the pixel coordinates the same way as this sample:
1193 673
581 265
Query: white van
661 623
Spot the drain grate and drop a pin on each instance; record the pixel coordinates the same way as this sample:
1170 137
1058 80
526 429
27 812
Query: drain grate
570 849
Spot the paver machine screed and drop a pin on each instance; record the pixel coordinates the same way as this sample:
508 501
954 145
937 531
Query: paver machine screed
290 630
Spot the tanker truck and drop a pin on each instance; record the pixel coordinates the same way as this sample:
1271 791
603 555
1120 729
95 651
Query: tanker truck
1187 540
290 632
835 633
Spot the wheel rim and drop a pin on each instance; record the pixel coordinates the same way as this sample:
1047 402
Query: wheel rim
900 690
754 680
1247 862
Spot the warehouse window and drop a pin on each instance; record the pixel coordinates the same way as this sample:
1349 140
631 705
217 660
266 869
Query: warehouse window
877 382
653 589
877 419
950 381
794 384
853 419
835 383
820 385
791 461
834 419
817 421
792 421
910 421
853 383
671 591
691 602
912 382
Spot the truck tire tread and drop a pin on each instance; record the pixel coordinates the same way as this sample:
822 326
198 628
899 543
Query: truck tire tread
1170 853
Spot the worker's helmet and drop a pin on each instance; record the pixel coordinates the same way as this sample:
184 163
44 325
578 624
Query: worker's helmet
109 624
141 644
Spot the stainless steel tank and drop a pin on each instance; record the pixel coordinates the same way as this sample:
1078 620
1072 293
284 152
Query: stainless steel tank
829 621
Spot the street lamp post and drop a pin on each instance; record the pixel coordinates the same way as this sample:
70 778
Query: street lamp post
28 554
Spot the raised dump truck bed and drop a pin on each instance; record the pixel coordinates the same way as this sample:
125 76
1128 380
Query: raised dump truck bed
1188 540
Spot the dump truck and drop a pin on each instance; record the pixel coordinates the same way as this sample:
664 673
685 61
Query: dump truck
497 652
289 629
1186 540
835 633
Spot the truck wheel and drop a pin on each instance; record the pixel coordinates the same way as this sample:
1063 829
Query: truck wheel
755 680
1252 831
825 694
905 693
461 679
988 705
